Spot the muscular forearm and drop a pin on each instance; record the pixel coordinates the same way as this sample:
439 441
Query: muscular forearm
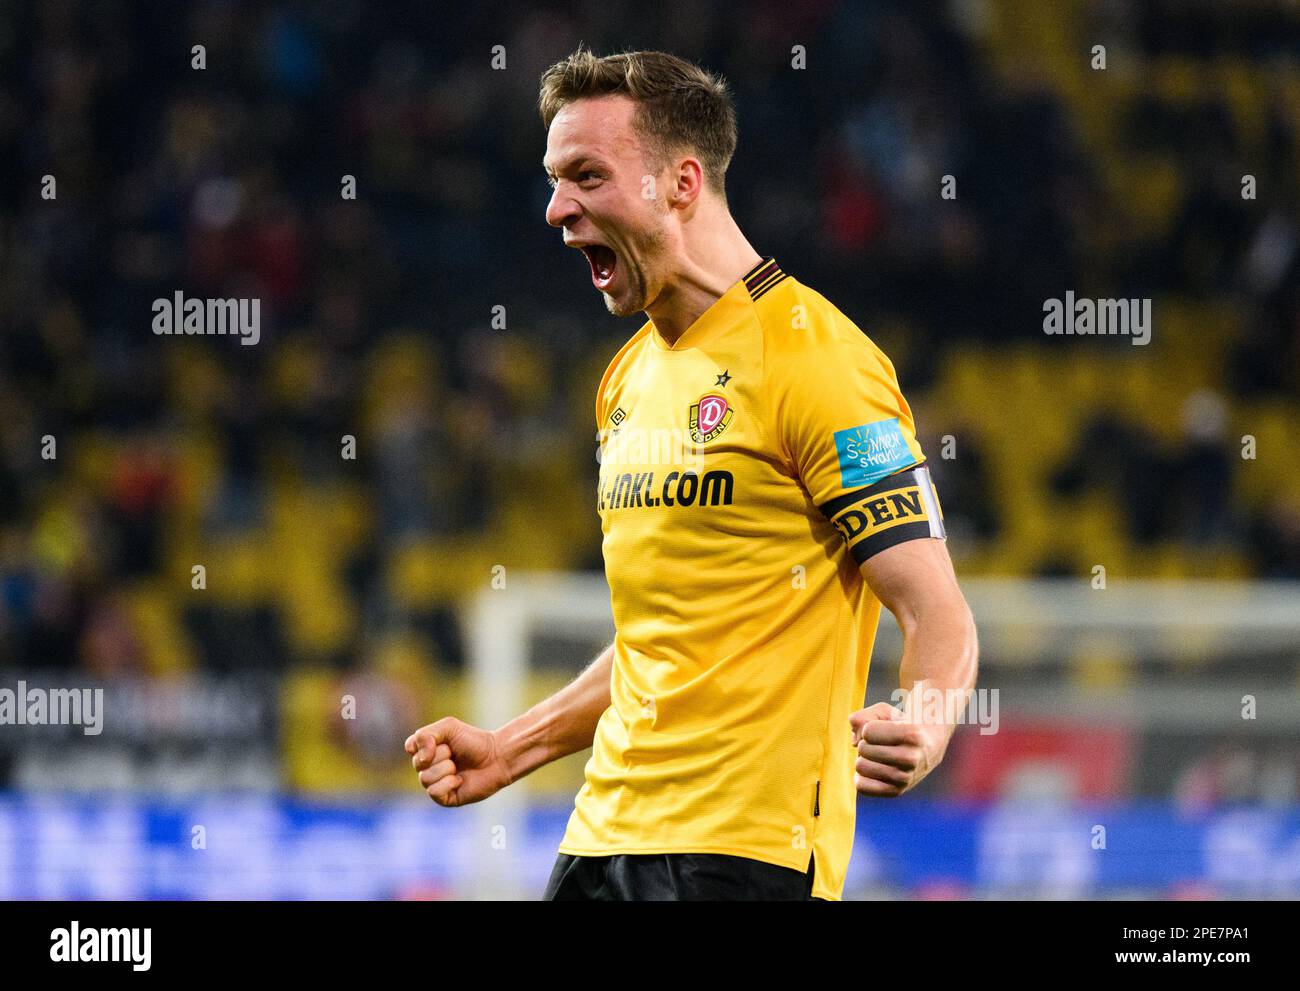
560 725
915 581
939 646
897 748
940 653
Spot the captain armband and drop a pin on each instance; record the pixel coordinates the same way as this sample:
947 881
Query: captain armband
903 506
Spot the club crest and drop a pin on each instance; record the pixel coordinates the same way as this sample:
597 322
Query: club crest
709 417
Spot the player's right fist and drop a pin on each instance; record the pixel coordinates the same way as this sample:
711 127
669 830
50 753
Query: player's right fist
457 763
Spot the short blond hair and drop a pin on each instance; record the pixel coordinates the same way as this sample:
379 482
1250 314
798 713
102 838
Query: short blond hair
679 105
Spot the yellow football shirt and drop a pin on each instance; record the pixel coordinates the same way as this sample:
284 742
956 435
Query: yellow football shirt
745 473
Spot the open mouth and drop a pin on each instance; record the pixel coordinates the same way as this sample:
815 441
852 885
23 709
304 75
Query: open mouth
603 262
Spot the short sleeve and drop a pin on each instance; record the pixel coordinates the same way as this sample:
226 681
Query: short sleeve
850 439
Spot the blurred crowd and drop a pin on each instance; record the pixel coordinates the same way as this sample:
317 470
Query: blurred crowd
171 503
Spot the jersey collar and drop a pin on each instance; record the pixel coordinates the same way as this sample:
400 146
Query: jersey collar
727 309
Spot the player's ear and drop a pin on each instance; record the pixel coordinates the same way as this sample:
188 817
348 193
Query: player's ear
688 183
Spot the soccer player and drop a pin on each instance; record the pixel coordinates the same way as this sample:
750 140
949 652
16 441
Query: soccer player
762 494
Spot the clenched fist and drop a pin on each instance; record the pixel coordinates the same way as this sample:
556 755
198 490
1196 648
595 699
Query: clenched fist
894 753
458 763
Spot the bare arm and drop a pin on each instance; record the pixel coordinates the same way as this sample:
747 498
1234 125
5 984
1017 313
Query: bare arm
560 725
915 581
459 764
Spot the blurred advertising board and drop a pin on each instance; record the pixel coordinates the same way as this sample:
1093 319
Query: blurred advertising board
250 846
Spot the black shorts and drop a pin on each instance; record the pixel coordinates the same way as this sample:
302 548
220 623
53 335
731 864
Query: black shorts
675 877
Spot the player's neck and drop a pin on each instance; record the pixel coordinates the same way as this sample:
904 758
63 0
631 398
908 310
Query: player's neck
712 259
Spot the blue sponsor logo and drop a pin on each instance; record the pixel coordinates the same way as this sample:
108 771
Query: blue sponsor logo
870 452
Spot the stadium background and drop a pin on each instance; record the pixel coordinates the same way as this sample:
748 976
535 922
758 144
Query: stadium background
329 577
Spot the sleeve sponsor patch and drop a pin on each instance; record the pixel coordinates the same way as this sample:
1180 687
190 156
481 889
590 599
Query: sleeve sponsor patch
870 452
903 506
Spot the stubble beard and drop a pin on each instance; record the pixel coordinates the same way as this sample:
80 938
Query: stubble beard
648 244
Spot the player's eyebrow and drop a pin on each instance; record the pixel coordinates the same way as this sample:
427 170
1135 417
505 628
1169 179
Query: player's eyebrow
553 170
584 160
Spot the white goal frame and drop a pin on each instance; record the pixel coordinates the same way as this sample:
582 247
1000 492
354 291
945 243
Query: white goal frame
1146 618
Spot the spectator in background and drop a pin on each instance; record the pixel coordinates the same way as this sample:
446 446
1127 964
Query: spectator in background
227 182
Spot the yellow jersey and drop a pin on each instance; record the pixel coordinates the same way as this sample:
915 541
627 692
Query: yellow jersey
745 472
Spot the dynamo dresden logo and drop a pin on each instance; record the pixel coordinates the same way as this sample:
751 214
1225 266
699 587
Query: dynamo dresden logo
709 417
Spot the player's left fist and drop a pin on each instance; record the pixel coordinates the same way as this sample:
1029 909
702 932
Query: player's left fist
894 753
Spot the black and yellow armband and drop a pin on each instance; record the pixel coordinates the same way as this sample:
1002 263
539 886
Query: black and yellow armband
902 506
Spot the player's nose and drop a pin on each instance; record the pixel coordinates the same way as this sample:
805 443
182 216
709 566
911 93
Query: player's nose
562 210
